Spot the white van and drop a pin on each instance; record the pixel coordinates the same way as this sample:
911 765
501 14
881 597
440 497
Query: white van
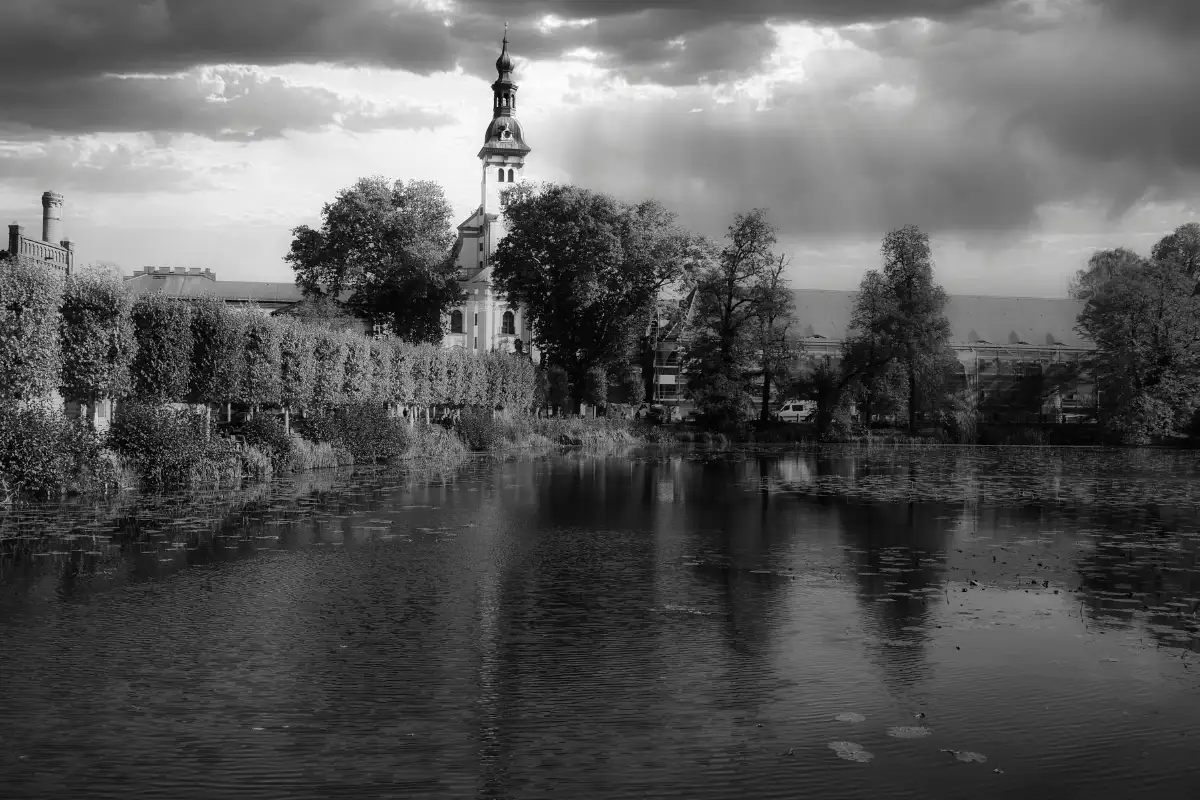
797 411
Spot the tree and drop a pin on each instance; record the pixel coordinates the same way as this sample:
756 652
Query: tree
297 366
329 373
587 269
261 355
161 370
218 352
914 327
98 344
1103 265
30 352
774 311
723 348
389 248
1181 249
1145 322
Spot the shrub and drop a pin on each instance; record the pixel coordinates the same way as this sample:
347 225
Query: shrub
30 354
264 433
97 337
364 429
171 447
44 454
478 429
329 355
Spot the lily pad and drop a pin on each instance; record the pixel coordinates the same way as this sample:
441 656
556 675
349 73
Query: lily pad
851 752
850 716
967 756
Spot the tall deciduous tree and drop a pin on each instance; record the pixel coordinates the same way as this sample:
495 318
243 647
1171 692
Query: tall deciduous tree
915 327
1181 249
587 269
774 312
30 353
389 247
97 337
722 352
1145 322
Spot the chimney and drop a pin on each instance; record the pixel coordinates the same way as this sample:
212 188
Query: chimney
15 232
51 217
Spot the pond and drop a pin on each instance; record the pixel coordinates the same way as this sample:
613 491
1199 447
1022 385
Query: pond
658 623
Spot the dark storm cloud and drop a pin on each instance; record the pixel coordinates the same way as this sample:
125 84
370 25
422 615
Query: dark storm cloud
968 126
217 103
58 53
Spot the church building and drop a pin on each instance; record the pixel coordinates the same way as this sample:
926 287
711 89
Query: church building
486 321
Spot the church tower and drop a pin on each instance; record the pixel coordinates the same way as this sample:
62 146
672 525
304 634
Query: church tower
503 154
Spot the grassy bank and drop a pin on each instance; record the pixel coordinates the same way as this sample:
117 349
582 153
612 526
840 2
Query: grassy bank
45 455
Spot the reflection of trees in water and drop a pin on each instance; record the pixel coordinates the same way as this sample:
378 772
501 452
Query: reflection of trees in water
896 551
1139 568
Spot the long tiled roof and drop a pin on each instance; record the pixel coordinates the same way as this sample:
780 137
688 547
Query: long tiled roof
974 319
232 291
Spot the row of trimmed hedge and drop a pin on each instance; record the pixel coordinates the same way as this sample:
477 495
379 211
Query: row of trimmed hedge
89 339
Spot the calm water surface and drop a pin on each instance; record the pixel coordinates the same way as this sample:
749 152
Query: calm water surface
893 624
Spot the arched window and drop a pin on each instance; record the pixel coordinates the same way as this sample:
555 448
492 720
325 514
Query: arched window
508 323
500 175
456 321
510 175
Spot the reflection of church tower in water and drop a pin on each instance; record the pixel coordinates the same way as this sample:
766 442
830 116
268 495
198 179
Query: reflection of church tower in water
485 321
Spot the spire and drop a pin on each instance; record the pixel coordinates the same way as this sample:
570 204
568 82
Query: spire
504 63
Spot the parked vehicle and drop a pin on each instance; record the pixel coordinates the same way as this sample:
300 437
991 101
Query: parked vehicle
797 411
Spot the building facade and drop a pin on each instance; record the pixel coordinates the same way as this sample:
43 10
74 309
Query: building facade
52 249
486 320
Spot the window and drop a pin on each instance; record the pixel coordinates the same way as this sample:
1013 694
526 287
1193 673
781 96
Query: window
500 177
476 323
456 321
510 175
481 247
508 323
476 342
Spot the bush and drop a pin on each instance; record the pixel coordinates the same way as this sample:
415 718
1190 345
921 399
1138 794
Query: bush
44 454
266 434
364 429
478 429
172 447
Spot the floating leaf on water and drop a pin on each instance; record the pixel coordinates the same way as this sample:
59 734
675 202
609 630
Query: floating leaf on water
967 756
850 751
909 731
850 716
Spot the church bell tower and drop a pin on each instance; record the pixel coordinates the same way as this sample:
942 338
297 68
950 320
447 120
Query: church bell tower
504 149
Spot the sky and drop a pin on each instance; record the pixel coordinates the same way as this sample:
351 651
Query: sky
1022 135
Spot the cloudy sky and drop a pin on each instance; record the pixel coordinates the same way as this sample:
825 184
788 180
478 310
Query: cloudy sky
1022 134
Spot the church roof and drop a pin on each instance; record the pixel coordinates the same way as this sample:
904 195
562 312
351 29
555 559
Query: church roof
974 319
505 133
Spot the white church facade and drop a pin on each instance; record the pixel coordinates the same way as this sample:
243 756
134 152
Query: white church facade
486 321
